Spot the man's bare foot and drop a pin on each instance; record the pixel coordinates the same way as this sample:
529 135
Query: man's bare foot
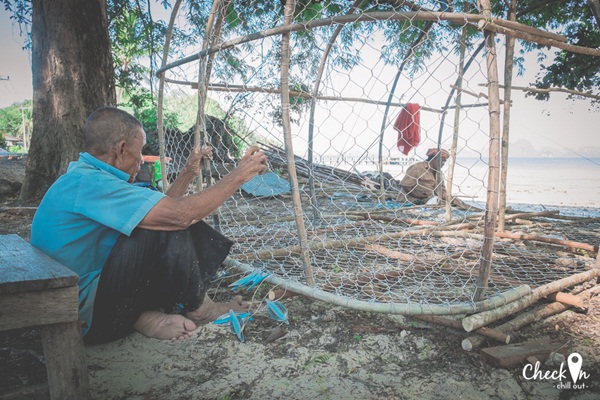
209 310
158 325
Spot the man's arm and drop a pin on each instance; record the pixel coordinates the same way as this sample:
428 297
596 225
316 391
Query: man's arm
175 213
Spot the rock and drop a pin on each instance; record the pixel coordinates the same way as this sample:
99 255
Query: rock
12 176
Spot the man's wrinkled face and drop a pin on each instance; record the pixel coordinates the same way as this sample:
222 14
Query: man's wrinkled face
132 156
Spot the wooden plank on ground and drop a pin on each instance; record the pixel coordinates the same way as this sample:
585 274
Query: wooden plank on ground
514 354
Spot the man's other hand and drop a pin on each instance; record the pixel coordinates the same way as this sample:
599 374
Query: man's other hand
195 160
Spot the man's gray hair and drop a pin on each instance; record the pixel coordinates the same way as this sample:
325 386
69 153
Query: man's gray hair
105 127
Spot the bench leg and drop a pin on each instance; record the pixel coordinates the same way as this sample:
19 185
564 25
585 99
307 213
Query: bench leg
65 361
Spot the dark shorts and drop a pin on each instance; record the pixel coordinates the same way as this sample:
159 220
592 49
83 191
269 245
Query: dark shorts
154 270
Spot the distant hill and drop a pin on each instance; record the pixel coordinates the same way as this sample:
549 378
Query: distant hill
524 148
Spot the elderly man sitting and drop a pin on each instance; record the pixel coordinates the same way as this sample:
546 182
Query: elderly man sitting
420 183
144 259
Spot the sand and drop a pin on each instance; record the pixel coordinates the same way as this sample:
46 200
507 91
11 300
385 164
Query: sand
325 353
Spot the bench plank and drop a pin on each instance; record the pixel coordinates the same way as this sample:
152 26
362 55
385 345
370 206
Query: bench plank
40 307
25 268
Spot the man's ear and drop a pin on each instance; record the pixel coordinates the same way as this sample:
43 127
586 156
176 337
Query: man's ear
120 148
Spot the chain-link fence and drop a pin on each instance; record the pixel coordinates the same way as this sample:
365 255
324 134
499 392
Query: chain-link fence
333 217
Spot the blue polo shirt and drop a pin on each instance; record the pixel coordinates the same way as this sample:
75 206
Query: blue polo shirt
82 215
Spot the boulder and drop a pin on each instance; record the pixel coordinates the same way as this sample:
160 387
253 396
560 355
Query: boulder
12 175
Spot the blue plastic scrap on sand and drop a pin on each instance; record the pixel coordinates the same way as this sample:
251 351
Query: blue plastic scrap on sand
268 184
250 280
236 324
237 321
277 311
225 318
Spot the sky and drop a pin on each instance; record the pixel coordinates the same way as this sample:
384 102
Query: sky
559 123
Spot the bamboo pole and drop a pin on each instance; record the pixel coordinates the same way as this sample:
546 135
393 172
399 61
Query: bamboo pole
389 308
200 129
456 130
288 12
215 36
225 87
554 89
160 97
478 320
384 121
492 190
508 75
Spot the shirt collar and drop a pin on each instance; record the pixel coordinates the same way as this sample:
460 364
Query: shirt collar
95 162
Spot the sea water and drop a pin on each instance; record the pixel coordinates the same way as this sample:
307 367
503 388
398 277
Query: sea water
560 182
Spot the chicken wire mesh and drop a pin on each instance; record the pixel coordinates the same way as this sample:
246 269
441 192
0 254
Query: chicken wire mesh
340 233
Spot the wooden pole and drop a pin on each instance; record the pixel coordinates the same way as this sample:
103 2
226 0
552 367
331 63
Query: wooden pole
160 98
455 134
289 148
200 130
492 190
508 75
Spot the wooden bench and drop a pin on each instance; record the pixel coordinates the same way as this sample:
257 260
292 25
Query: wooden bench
36 291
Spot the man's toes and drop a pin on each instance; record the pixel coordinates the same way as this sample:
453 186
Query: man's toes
189 325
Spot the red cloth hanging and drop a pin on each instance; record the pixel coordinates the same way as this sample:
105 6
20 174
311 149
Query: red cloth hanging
408 125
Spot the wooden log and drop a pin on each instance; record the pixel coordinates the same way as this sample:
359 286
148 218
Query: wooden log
472 342
532 214
567 298
478 320
408 221
384 251
453 323
524 319
568 243
522 221
281 294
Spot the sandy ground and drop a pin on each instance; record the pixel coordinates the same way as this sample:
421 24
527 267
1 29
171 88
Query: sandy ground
325 352
332 353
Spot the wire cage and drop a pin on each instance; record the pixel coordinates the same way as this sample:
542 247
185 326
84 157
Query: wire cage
321 97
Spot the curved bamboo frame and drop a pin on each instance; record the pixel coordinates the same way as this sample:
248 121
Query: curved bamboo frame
517 30
493 302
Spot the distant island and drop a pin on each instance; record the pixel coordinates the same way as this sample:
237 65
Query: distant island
523 148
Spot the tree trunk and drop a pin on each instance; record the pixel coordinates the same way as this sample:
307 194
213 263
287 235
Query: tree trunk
73 75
